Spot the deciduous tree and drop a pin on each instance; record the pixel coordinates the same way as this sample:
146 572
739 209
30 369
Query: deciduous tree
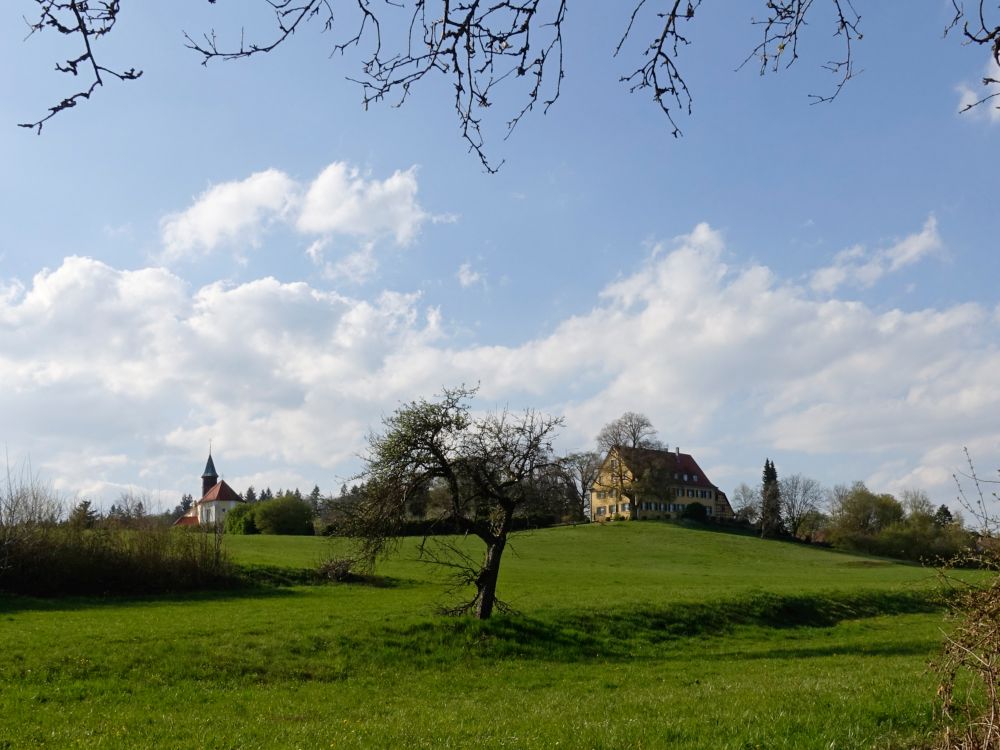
746 503
800 500
580 471
862 515
490 469
630 430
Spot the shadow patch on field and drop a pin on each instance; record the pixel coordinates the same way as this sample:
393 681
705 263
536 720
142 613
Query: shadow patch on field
915 647
626 633
276 575
760 609
13 603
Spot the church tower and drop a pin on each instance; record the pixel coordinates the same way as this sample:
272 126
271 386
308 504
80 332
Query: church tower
210 478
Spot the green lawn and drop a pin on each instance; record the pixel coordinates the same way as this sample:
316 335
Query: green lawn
629 635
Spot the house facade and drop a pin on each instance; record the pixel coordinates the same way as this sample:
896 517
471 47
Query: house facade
217 499
649 483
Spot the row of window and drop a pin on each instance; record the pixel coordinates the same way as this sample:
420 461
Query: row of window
675 492
668 507
611 510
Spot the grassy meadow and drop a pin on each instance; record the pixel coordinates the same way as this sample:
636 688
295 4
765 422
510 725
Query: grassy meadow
634 635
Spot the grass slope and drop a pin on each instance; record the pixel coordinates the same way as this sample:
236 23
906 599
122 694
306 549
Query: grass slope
632 635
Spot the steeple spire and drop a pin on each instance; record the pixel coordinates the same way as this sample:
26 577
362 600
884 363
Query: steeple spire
211 477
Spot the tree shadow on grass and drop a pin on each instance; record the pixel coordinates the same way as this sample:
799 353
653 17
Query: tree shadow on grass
13 603
912 647
275 575
628 633
249 582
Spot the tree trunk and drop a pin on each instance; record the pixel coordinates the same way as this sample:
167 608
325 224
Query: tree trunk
486 582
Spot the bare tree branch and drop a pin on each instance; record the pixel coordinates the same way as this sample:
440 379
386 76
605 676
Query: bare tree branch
485 46
783 25
89 21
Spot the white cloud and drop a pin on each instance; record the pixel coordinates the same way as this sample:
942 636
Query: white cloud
357 267
354 268
341 201
466 276
864 269
286 379
228 213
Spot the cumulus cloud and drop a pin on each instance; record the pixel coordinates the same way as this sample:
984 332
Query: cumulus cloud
354 268
286 379
467 276
340 201
858 266
228 213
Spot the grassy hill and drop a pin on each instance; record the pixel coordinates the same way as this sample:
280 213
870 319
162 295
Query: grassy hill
630 635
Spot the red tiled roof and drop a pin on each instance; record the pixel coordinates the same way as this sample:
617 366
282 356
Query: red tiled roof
186 521
661 465
221 491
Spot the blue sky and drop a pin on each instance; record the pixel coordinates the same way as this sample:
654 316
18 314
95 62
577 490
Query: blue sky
240 253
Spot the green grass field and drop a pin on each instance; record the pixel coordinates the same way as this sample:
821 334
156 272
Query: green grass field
639 635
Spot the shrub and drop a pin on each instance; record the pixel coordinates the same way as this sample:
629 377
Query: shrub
284 515
39 557
240 520
695 512
339 569
117 561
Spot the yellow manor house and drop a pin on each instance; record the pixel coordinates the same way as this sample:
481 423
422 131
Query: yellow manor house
652 483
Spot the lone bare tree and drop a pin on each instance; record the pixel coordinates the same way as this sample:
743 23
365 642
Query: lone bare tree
630 430
580 471
487 46
488 468
801 498
746 503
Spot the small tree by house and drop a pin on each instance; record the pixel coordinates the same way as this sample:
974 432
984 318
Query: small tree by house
630 430
580 471
695 512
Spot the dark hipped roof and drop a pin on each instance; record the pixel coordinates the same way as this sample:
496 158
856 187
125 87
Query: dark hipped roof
210 472
221 491
661 465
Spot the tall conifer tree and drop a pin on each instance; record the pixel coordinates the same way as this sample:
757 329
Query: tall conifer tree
770 502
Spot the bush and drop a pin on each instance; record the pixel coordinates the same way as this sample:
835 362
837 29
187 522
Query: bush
339 569
240 520
116 561
284 515
695 512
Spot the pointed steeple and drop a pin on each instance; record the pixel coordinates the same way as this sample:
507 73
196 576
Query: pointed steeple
211 477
